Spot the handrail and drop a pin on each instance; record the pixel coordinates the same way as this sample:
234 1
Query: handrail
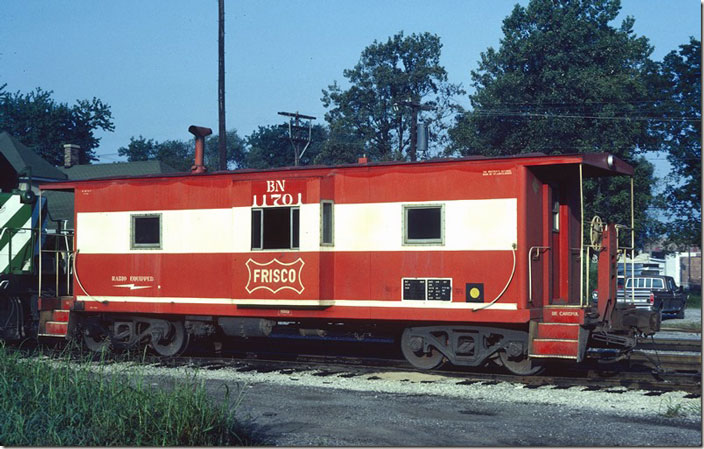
510 278
58 252
530 269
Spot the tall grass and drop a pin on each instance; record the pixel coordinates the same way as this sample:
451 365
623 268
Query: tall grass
59 402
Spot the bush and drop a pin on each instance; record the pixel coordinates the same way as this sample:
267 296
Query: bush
694 299
59 402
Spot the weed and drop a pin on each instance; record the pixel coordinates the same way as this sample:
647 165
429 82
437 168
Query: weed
58 401
677 410
694 300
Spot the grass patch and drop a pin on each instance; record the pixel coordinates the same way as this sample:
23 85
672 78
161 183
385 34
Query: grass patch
677 410
694 300
59 402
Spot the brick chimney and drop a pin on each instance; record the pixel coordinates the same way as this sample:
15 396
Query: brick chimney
71 154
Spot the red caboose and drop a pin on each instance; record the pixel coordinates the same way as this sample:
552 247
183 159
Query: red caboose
466 259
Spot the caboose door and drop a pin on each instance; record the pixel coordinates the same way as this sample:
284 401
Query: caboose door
564 242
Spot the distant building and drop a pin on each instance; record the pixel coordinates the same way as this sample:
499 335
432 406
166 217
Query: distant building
17 160
685 267
61 203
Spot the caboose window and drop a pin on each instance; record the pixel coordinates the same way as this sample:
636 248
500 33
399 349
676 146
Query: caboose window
326 223
423 224
275 228
146 231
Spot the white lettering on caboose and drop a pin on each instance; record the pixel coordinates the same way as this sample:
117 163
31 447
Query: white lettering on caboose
274 275
276 195
278 185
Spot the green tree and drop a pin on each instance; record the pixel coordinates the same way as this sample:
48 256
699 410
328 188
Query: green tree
235 151
679 100
180 154
38 121
269 147
565 80
139 149
372 116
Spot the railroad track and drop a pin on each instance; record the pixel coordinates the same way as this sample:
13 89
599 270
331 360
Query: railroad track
654 370
319 365
671 344
638 373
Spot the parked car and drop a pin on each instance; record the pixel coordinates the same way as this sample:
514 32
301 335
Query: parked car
654 292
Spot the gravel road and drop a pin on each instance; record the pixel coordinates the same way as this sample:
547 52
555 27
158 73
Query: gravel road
318 408
305 415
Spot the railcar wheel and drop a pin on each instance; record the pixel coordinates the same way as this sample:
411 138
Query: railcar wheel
521 366
413 351
95 339
173 341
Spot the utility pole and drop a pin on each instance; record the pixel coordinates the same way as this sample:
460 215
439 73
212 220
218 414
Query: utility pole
294 133
415 107
222 133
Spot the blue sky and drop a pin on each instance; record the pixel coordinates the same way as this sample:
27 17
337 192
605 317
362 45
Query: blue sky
155 62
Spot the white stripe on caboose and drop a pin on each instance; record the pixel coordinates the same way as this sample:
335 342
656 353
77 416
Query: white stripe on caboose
469 225
283 303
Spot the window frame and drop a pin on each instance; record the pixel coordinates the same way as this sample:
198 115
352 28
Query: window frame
290 227
260 211
322 223
151 246
423 242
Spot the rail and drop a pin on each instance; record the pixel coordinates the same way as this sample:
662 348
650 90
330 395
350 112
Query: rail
596 246
530 267
623 251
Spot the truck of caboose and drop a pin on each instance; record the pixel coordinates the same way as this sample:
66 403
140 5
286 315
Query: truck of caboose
473 240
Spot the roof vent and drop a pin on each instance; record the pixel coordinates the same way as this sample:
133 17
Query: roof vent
200 132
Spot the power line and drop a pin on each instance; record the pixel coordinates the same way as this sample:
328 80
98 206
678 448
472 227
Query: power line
590 117
294 133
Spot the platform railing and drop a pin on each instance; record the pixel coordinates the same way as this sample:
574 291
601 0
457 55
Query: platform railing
624 251
60 245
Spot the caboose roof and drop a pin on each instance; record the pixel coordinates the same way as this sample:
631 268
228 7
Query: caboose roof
594 164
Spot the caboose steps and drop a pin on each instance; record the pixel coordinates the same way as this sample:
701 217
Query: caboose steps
53 303
559 340
555 348
54 329
54 323
560 331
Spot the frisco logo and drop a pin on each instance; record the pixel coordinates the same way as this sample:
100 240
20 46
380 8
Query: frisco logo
275 276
